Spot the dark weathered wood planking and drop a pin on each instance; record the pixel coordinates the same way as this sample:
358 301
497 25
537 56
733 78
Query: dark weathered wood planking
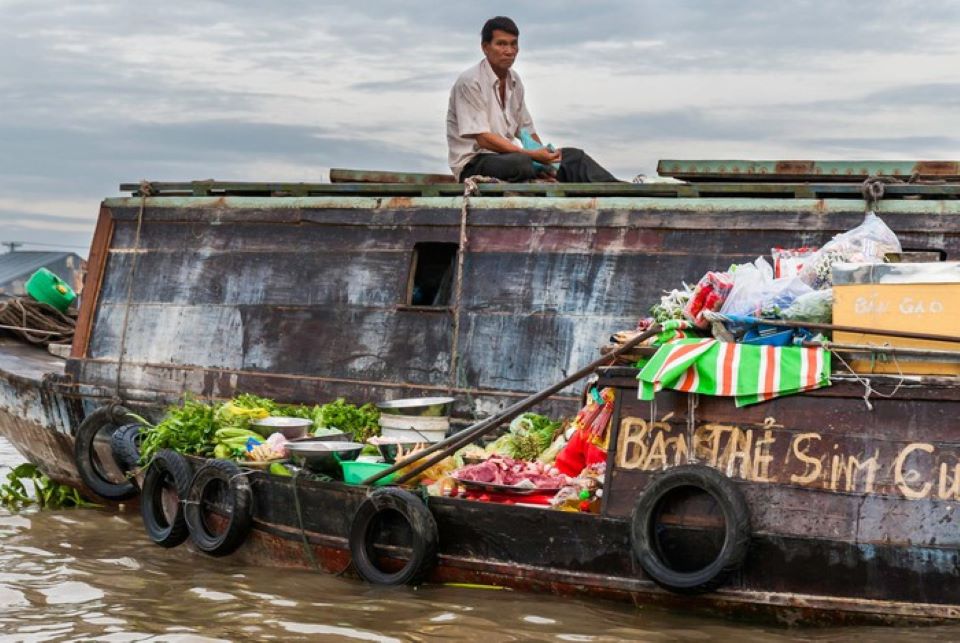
595 284
633 235
260 237
318 340
834 525
530 352
324 277
906 418
315 288
522 212
500 352
801 512
162 384
585 283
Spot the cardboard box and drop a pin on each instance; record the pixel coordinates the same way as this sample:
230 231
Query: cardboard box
911 297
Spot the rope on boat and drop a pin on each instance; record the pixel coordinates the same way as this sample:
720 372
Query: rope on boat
872 191
873 188
471 187
868 389
303 532
145 190
36 322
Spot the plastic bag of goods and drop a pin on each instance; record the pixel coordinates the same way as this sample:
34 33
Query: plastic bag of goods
757 294
816 306
869 242
708 295
749 282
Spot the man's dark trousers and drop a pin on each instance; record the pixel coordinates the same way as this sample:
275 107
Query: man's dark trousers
576 166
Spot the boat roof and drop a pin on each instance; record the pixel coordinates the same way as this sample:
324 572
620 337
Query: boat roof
677 179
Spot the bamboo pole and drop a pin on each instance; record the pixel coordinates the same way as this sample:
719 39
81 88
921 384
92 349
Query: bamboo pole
882 350
743 319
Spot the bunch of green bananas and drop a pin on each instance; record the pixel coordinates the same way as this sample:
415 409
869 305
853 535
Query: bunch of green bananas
232 442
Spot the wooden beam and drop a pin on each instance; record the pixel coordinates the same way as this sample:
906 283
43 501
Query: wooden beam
340 175
96 265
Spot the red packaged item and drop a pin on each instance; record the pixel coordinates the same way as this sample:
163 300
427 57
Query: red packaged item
708 295
787 262
589 443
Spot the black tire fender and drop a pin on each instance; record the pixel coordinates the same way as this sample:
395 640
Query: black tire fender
736 517
422 525
237 502
168 471
105 418
125 446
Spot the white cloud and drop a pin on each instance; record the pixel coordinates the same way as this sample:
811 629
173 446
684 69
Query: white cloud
103 92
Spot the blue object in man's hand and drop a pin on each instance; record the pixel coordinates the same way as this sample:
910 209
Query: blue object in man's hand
530 143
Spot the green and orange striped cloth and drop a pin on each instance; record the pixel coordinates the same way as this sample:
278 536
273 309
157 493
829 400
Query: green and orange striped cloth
749 373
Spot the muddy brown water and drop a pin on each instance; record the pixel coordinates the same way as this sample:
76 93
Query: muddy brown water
87 574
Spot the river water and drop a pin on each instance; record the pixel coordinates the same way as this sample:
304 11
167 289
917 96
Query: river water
90 574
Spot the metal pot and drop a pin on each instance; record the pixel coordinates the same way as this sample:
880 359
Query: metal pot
323 457
339 436
390 449
290 428
418 406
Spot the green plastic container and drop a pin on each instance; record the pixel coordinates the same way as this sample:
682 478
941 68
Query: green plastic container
47 288
355 472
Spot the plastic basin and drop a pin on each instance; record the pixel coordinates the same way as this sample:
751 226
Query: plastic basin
355 472
777 338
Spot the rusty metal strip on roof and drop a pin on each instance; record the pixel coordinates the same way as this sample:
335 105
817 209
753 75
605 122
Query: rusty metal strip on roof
843 171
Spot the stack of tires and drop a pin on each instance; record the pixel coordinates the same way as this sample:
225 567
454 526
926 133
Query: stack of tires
212 505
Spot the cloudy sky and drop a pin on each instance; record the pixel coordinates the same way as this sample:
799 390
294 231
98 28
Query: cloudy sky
101 92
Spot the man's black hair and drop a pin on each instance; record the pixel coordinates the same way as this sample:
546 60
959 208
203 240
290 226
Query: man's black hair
502 23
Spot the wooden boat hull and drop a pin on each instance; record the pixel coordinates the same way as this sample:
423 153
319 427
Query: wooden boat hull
35 417
542 550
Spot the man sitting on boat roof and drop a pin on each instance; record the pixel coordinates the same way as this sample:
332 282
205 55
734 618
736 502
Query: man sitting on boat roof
487 111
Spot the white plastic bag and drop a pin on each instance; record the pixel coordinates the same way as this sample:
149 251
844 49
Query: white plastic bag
781 294
867 243
749 280
757 294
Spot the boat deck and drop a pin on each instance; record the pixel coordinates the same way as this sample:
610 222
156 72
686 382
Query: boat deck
26 361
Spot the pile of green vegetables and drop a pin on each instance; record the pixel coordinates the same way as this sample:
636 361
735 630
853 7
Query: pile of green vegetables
46 494
360 422
196 428
529 436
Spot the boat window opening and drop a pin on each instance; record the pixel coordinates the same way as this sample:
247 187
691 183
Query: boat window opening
432 274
